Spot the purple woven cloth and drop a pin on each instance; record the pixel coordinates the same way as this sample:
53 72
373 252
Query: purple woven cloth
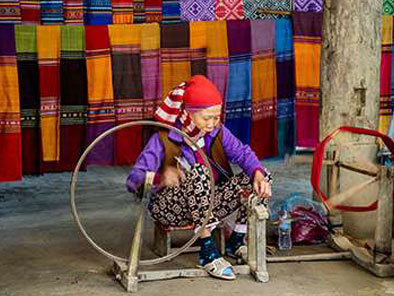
308 5
198 10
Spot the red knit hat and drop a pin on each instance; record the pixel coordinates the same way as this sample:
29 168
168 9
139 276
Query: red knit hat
201 93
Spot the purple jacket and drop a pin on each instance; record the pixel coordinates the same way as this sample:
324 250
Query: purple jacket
151 157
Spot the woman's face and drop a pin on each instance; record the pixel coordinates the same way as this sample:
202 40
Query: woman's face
207 119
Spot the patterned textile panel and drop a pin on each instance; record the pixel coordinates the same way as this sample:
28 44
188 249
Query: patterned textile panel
260 9
122 11
73 12
101 111
153 11
198 10
29 94
139 15
263 138
238 97
52 12
229 10
307 47
10 12
388 7
308 5
10 132
285 86
128 97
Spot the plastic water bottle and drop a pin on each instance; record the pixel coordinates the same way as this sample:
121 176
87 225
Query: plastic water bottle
284 229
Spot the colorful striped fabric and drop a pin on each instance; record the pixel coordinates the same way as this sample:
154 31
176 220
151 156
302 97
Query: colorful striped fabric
198 10
10 12
29 93
386 75
73 90
153 11
388 7
171 11
30 11
97 12
198 47
122 11
263 9
285 86
229 10
128 91
48 48
101 112
150 68
217 55
10 132
307 46
175 55
51 12
238 97
263 139
139 15
308 5
73 12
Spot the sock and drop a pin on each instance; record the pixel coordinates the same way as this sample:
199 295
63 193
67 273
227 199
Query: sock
208 251
237 239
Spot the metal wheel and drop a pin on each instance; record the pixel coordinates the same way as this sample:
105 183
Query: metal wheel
74 181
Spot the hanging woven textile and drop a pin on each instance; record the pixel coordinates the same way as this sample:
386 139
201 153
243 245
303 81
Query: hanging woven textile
175 55
101 113
153 10
150 68
51 12
285 86
10 133
267 9
229 10
73 12
122 11
263 139
48 47
139 15
307 47
238 96
73 90
30 12
10 12
29 95
385 111
388 7
171 11
128 96
217 55
198 47
97 12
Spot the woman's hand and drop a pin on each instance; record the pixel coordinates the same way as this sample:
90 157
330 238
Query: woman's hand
261 186
171 177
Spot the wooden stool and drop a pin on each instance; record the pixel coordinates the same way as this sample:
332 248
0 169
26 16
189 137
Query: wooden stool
162 242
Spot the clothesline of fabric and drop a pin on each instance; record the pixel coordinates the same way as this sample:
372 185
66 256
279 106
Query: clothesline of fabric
74 82
104 12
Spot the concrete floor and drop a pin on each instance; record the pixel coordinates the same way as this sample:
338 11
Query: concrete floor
43 253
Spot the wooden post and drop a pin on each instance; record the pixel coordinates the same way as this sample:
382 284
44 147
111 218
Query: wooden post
384 223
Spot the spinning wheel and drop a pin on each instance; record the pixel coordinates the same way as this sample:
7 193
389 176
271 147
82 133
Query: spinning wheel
379 259
126 269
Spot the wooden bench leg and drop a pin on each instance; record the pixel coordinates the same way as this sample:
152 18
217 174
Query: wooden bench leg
161 242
